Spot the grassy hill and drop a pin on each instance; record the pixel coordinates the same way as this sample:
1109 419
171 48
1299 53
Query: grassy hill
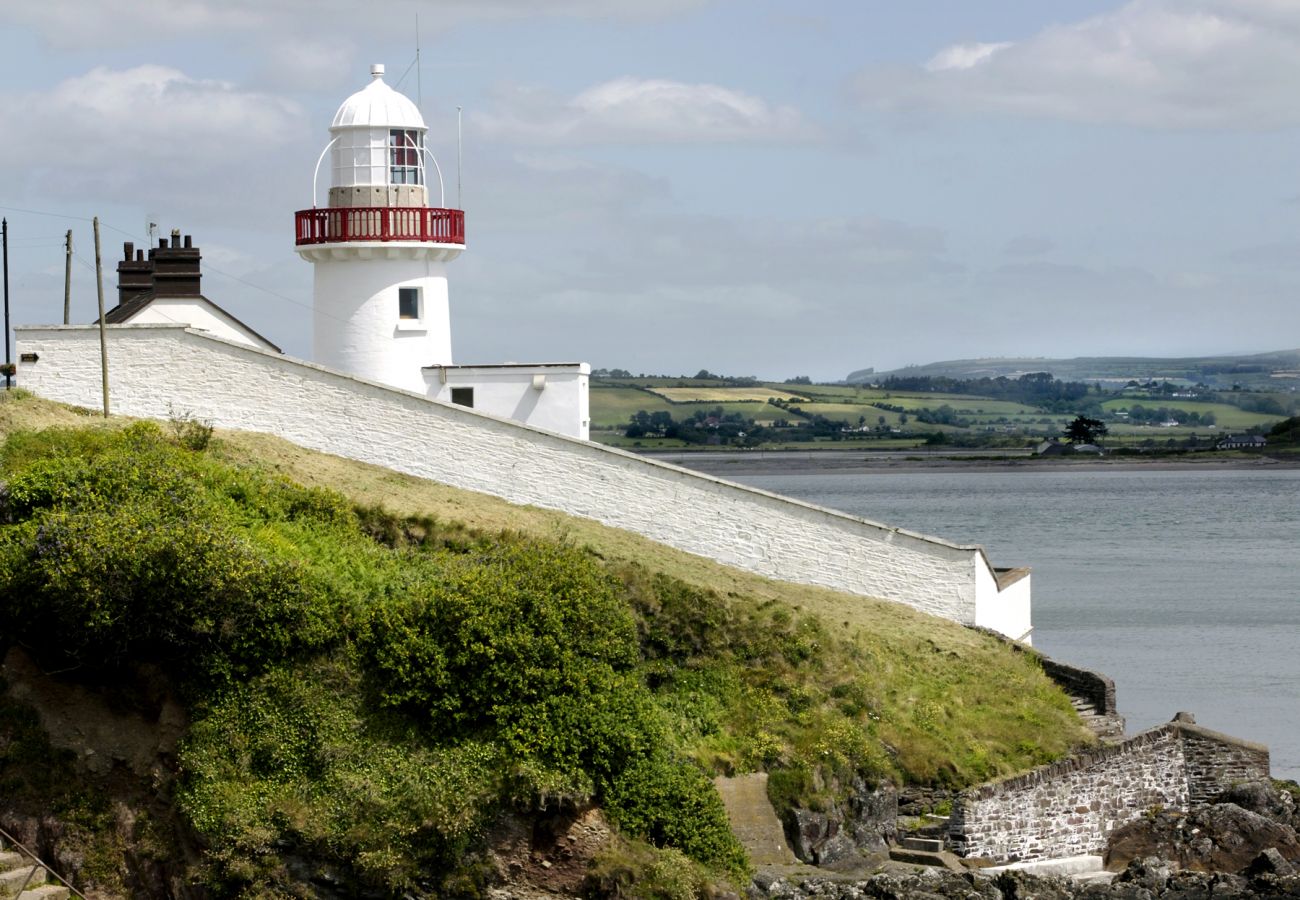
1259 370
925 407
372 670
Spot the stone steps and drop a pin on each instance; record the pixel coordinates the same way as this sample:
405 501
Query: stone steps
753 820
942 859
912 842
1085 869
20 879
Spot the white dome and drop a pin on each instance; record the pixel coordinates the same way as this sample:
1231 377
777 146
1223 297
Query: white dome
377 106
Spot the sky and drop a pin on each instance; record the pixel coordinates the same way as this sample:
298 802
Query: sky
753 187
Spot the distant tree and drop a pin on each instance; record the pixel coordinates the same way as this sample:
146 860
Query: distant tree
1084 430
799 379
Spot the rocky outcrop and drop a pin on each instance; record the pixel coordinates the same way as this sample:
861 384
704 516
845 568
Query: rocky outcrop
849 833
1222 837
1145 880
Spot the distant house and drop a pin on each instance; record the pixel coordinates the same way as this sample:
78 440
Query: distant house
1241 442
163 288
1053 447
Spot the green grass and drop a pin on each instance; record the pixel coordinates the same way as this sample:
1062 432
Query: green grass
375 663
1226 417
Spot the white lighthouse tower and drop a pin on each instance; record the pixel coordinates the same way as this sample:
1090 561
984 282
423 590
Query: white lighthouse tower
380 254
379 249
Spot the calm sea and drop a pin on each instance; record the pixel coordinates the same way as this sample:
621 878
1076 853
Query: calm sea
1184 587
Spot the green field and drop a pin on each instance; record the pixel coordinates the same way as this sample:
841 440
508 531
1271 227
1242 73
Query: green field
1227 417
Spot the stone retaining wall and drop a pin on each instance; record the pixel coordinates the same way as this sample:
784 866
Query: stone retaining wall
155 369
1069 807
1215 762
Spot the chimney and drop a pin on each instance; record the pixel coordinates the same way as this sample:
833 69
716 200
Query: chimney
134 273
176 268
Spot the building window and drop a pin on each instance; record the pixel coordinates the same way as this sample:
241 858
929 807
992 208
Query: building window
404 157
463 397
408 303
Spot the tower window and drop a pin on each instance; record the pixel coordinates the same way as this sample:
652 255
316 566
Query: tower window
463 396
404 156
408 303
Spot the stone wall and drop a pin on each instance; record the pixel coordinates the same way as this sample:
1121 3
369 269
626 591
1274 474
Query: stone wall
155 369
1069 807
1215 762
1086 684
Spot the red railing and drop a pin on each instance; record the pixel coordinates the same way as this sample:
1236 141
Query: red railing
379 223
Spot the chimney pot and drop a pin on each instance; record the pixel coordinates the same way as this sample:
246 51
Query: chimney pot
188 245
139 256
128 250
162 243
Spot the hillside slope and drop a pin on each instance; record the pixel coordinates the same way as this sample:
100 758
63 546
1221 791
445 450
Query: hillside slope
1256 367
363 675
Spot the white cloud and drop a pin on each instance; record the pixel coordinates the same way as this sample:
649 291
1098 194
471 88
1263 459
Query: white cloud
152 114
154 136
963 56
640 110
1149 63
91 22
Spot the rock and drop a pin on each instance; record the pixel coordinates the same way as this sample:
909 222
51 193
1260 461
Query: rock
849 834
1270 862
1266 799
1150 872
1218 838
1018 885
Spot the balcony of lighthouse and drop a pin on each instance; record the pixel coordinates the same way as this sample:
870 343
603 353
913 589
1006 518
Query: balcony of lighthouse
379 231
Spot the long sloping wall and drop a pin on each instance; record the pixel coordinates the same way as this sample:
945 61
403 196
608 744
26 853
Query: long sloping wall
1069 808
155 369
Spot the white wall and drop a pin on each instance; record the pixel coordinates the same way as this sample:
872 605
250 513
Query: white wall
356 327
197 313
553 397
156 368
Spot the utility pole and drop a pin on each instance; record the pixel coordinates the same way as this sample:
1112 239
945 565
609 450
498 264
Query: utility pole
67 278
103 339
4 227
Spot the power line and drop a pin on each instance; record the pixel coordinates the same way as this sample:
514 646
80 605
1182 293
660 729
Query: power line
38 212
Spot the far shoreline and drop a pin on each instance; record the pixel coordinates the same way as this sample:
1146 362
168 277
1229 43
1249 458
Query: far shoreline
865 462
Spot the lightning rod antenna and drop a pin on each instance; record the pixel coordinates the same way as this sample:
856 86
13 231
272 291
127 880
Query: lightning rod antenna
459 203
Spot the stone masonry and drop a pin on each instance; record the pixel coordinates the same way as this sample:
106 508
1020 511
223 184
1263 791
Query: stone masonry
1069 808
157 368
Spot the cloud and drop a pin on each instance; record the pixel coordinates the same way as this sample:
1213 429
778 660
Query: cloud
1150 63
145 134
92 22
1028 245
641 110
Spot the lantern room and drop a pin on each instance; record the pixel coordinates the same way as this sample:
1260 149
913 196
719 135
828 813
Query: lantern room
377 151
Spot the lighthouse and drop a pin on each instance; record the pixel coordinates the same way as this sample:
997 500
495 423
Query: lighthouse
380 248
380 307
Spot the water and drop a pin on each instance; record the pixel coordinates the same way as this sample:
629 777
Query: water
1182 586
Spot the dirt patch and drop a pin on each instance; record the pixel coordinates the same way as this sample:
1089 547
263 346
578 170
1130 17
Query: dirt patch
136 725
547 855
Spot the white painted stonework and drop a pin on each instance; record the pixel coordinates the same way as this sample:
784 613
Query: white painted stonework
199 314
357 326
154 369
553 396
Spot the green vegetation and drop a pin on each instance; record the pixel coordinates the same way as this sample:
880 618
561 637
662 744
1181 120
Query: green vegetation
915 409
370 687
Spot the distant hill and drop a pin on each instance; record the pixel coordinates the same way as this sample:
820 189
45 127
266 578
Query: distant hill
1279 369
